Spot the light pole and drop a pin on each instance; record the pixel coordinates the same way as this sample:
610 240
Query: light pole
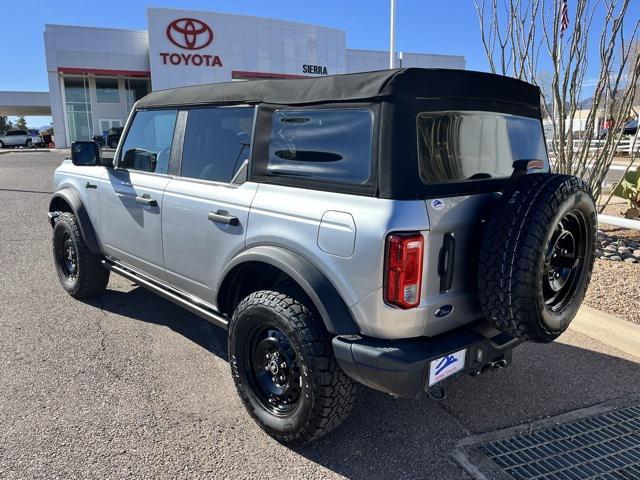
392 39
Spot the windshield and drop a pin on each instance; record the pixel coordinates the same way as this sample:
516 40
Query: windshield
457 146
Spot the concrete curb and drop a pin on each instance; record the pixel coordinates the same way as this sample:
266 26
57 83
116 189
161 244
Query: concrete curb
608 329
25 150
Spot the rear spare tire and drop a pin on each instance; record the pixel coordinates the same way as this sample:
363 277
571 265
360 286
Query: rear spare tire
537 255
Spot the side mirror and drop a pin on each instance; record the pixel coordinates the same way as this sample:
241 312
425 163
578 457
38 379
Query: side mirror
85 154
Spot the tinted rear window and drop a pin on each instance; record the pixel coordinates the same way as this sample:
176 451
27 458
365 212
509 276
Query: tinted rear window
456 146
322 144
11 133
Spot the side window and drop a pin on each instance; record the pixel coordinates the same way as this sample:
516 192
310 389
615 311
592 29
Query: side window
216 142
325 144
148 143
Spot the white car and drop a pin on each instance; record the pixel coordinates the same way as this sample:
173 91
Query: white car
19 138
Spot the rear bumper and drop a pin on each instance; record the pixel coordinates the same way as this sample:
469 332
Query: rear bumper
401 367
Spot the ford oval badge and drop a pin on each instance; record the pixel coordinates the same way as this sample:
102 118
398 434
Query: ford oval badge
444 310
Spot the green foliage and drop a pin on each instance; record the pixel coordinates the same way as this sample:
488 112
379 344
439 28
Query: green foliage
21 123
629 189
5 124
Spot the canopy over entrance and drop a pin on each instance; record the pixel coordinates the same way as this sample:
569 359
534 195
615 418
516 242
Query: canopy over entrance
25 103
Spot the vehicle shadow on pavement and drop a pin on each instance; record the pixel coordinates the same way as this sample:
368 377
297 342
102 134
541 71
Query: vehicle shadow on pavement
142 305
387 437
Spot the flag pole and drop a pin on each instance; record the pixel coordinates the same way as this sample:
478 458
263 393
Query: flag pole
392 39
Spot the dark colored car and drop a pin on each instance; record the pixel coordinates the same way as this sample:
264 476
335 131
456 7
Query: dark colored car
113 137
631 128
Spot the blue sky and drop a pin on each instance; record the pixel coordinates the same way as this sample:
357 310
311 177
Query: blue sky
429 26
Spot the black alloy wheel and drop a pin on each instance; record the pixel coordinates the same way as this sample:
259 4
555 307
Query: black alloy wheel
564 260
273 370
67 257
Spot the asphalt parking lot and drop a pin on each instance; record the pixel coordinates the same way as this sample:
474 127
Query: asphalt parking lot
129 385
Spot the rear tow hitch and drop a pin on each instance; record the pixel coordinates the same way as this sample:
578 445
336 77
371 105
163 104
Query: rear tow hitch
436 393
499 364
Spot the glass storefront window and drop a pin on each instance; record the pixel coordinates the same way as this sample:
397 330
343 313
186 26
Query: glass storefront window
135 89
107 90
76 91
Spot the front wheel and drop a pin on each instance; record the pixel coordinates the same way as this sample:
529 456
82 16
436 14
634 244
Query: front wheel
79 269
28 143
1 144
284 369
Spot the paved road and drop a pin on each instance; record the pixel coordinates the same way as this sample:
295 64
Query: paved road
128 385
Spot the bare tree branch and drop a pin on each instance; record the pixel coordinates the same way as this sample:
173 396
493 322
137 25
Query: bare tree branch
520 35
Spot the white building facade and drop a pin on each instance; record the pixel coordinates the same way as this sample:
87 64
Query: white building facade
96 74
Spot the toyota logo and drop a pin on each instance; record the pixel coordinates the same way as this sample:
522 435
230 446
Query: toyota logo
189 33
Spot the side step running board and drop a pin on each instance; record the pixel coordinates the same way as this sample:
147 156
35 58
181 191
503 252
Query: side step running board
169 294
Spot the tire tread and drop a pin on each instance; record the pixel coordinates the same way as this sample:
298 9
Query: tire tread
513 240
332 388
92 276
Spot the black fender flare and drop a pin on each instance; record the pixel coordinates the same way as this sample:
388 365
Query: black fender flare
334 312
71 197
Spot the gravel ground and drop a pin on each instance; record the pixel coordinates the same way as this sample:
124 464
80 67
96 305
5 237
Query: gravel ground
128 385
615 286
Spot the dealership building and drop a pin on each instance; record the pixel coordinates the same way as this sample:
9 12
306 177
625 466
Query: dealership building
96 74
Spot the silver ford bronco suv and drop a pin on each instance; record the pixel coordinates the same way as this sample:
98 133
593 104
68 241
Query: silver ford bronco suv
396 229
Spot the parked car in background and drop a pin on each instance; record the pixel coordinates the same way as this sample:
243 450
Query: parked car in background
113 137
18 138
631 128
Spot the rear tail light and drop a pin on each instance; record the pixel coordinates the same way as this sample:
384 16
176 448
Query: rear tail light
403 272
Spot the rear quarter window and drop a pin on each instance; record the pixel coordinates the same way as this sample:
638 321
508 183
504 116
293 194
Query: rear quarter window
322 144
468 146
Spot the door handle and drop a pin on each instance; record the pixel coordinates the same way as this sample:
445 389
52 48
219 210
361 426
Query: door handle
222 216
146 200
90 185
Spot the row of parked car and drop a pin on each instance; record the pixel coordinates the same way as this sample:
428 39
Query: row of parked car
21 138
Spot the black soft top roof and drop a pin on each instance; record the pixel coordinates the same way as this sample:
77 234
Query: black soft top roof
417 82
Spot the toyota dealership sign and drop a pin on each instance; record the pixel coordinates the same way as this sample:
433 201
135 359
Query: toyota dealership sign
192 35
189 33
189 48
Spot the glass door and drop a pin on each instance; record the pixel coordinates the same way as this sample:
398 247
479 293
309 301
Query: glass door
78 105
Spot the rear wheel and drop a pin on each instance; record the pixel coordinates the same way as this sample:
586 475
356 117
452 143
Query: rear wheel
1 144
284 369
79 269
537 256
